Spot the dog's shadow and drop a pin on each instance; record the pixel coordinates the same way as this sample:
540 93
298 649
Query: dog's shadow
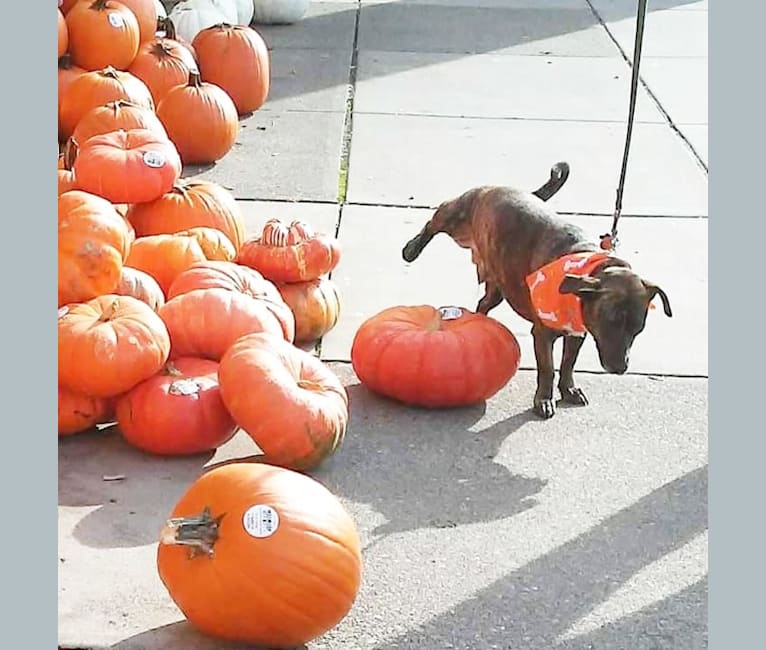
426 468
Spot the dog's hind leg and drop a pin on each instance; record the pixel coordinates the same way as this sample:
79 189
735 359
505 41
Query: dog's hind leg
491 299
559 175
569 392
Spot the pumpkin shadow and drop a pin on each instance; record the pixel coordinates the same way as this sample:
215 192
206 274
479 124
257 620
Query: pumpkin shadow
180 635
426 468
131 510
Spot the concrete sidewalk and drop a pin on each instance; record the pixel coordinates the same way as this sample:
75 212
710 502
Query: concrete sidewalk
483 528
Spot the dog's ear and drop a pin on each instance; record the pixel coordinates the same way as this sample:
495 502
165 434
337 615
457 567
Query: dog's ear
580 285
653 290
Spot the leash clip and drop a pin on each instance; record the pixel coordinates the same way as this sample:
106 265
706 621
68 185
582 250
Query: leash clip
608 242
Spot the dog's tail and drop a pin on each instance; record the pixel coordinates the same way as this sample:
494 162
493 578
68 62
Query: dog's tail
559 175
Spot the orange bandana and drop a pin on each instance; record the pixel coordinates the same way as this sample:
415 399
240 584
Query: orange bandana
561 311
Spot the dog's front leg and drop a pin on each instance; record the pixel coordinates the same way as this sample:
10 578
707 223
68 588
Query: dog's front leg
569 392
492 298
543 338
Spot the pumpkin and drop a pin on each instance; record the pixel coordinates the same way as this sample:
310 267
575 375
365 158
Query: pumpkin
78 412
224 275
247 82
200 119
65 6
176 412
162 64
92 89
93 242
113 116
127 166
206 322
140 285
289 402
102 33
67 73
214 244
166 29
109 344
191 16
63 35
277 542
145 12
431 357
315 305
164 256
279 12
190 204
291 253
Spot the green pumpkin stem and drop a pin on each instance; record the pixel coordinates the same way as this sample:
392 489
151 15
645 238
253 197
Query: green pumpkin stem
199 532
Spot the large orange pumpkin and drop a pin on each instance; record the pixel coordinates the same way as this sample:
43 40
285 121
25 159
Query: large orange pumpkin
289 402
78 412
63 35
92 89
165 256
109 344
189 204
177 411
117 115
127 166
224 275
200 119
291 253
432 357
102 33
140 285
315 305
206 322
247 82
277 541
93 242
162 64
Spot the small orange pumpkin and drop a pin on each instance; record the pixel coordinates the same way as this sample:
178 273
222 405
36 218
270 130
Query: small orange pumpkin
315 305
162 64
140 285
165 256
102 33
113 116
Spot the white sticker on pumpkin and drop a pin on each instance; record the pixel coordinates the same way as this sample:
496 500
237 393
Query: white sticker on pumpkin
450 313
154 159
63 311
261 521
115 20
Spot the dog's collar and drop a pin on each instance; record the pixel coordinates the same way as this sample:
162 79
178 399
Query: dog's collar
556 310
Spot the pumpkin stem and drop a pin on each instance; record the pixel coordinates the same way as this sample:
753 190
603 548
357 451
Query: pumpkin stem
200 532
108 313
109 71
70 153
166 25
171 370
99 5
195 80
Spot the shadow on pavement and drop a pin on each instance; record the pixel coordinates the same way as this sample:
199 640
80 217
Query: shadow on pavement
532 607
422 468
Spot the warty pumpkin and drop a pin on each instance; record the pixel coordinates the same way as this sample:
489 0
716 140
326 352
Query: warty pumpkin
315 305
277 541
201 119
78 412
127 166
109 344
289 402
434 358
113 116
92 89
247 81
224 275
190 204
176 412
162 64
102 33
93 243
140 285
206 322
293 253
164 256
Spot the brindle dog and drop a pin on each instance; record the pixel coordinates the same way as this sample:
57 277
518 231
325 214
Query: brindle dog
512 233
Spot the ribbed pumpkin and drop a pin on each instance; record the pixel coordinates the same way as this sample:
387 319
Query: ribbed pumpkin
63 34
109 344
276 541
289 402
190 204
140 285
224 275
162 64
315 305
78 412
114 116
247 82
201 119
93 89
127 166
102 33
93 242
165 256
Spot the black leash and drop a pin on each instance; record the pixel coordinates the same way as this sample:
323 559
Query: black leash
609 240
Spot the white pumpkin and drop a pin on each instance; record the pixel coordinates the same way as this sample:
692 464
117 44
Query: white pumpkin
190 17
244 11
161 13
279 12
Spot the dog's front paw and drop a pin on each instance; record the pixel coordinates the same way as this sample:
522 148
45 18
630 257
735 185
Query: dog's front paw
545 408
574 396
